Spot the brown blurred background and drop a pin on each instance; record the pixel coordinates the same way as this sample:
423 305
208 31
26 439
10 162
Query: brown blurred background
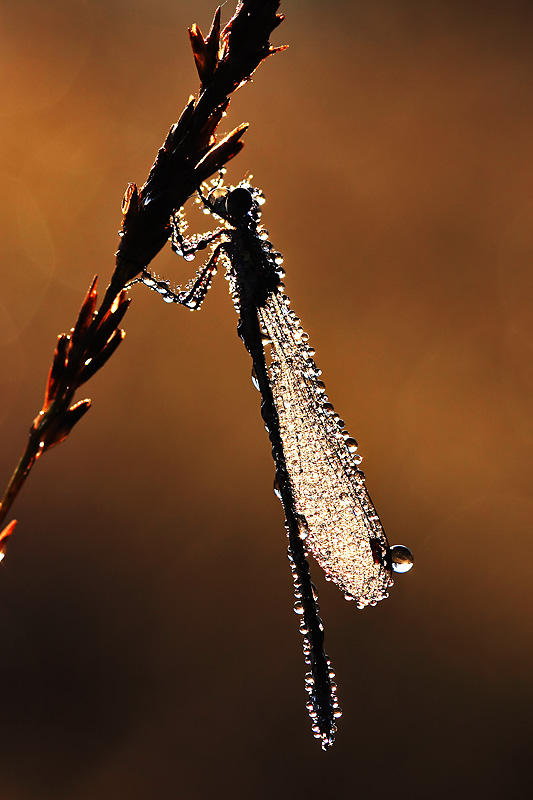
148 645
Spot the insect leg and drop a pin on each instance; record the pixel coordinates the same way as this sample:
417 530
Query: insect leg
193 294
188 247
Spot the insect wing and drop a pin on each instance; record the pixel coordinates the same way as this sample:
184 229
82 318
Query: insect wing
337 518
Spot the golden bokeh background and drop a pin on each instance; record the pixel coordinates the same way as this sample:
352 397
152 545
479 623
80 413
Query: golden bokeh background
148 645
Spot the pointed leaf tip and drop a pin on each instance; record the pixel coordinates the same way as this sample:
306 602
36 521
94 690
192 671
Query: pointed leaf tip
130 201
59 431
85 315
57 369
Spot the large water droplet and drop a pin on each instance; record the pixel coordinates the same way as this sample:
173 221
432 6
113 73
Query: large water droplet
402 558
351 444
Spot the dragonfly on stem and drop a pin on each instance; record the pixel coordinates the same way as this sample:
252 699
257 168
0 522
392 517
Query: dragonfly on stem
328 511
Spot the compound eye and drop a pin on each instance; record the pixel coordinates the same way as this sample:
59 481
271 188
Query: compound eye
239 202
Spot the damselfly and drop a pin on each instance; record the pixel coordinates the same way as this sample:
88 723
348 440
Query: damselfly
328 510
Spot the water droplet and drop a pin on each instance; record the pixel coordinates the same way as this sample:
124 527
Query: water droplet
402 558
344 499
351 444
298 608
189 256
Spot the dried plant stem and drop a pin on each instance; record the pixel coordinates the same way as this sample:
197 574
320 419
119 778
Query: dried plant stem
29 457
78 356
225 59
48 418
19 476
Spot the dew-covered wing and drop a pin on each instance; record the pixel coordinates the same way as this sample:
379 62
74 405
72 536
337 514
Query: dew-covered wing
342 529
